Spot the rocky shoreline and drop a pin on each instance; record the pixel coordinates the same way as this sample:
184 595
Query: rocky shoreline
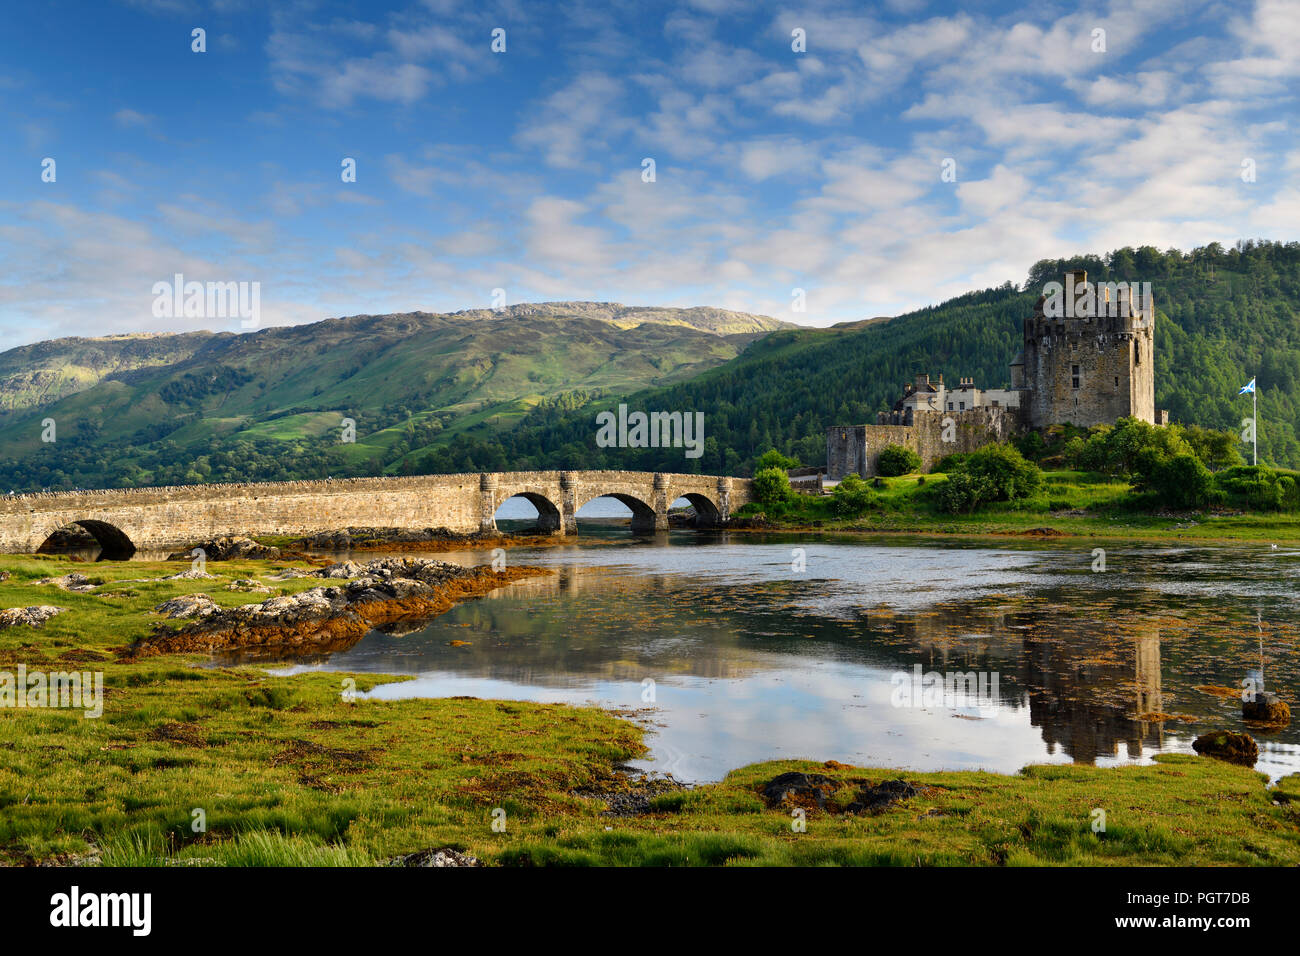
370 595
404 539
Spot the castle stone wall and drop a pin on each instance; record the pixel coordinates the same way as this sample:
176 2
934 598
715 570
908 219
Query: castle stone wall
855 449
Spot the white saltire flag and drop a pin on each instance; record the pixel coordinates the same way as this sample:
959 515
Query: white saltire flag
1248 388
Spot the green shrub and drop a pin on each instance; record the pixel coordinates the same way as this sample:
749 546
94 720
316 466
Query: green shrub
1258 487
851 496
1182 481
950 463
962 493
1004 469
772 486
895 460
1290 492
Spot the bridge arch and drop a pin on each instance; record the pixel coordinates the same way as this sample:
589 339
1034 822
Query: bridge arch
643 514
707 512
549 519
114 543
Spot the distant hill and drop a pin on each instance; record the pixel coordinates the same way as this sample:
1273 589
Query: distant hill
1223 316
38 375
137 409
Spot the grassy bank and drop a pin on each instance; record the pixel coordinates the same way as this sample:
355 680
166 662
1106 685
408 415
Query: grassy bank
286 771
1069 503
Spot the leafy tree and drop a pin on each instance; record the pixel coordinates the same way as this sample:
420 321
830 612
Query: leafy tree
774 459
1032 445
1216 449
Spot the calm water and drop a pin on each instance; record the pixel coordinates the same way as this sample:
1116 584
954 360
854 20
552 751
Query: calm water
758 651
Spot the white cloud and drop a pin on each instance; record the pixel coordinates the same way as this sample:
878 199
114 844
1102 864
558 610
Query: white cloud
575 120
128 119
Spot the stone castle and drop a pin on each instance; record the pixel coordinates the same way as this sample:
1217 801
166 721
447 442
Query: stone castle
1088 359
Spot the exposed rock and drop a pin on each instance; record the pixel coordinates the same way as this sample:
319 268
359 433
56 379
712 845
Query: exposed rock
33 616
345 569
4 575
288 574
882 796
248 585
188 605
193 574
388 590
72 581
361 538
1266 708
445 856
229 549
393 570
70 538
799 789
1226 745
630 798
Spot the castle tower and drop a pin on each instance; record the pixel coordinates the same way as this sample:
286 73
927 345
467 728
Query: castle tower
1089 353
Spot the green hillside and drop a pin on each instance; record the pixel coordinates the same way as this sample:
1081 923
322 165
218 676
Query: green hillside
1223 316
270 404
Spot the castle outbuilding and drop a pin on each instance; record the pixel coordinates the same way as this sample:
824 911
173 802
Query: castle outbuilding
1088 359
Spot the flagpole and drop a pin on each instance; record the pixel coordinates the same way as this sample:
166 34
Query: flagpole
1254 398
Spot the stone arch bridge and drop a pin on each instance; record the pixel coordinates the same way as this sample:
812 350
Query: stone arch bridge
127 519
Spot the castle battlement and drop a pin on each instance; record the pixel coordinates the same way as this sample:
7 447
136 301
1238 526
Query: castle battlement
1088 359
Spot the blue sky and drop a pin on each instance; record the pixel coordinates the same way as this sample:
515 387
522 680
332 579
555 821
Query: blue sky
522 170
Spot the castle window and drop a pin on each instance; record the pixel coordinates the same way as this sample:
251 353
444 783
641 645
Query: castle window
950 406
1117 381
962 406
1074 374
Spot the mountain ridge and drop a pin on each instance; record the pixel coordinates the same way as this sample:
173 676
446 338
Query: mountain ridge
41 373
